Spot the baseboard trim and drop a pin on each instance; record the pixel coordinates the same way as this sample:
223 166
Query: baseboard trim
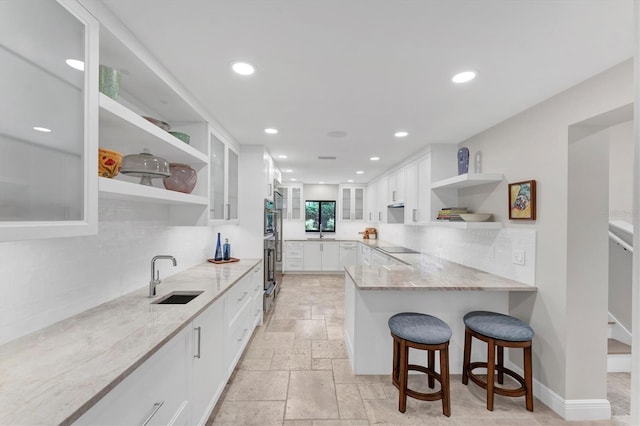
568 409
619 363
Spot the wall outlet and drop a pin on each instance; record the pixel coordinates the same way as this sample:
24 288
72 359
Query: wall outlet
517 257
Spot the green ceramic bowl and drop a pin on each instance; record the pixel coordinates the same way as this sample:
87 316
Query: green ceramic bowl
182 136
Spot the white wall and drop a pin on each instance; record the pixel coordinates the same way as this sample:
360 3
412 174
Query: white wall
534 145
621 172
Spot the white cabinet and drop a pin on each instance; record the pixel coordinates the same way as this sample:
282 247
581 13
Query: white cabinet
294 256
153 394
371 196
292 202
364 255
270 176
348 254
209 373
223 197
352 203
321 256
48 179
396 187
382 190
411 193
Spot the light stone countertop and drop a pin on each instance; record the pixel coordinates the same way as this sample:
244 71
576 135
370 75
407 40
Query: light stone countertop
56 374
426 272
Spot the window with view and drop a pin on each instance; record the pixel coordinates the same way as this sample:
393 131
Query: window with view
320 216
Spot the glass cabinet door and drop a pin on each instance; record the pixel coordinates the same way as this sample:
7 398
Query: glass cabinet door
216 162
346 203
232 198
359 204
48 125
296 203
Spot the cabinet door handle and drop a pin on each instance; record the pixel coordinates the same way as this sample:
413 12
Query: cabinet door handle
242 335
369 215
199 330
393 196
380 216
228 212
257 312
270 188
415 215
154 410
243 296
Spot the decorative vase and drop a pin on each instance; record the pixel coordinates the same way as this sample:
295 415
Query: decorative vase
109 81
463 161
218 255
109 163
183 178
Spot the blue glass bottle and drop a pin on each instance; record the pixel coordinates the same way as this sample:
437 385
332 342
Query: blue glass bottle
226 250
218 255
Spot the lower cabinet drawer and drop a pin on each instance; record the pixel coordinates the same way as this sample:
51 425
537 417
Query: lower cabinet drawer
238 334
154 393
295 252
295 264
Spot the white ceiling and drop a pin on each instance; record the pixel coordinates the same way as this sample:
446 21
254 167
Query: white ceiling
373 67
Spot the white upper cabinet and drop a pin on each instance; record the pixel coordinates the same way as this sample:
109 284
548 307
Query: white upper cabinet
397 186
352 206
223 198
48 178
292 202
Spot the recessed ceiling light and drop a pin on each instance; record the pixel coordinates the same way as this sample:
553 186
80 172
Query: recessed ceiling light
320 182
374 158
350 180
271 131
401 134
75 64
243 68
464 77
42 129
359 172
288 171
282 156
294 179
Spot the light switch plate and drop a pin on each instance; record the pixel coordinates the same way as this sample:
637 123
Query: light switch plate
517 257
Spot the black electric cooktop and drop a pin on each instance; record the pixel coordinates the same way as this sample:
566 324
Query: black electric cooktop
397 250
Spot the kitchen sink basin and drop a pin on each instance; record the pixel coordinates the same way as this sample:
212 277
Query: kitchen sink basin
178 298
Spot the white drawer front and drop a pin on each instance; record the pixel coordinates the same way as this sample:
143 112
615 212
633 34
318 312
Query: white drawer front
294 264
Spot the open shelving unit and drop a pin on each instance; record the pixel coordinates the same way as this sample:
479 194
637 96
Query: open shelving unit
468 225
467 180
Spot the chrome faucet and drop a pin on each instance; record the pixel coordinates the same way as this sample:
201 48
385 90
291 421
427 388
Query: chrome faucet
155 277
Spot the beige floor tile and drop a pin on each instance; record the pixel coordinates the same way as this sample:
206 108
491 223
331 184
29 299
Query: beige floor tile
321 364
254 364
291 359
349 402
372 391
342 373
257 352
328 349
340 423
258 386
310 329
311 396
256 413
302 343
274 340
298 423
281 325
293 312
317 317
335 332
479 421
418 412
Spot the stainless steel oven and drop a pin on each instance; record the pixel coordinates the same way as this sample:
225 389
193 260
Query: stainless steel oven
270 282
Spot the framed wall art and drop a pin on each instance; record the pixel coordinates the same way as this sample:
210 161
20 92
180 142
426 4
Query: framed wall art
522 200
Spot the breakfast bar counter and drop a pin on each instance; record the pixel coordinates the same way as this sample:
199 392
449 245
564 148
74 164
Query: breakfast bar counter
427 284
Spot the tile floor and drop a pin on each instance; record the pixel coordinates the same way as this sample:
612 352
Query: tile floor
295 372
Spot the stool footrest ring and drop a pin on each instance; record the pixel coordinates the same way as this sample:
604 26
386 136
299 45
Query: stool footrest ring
431 396
498 389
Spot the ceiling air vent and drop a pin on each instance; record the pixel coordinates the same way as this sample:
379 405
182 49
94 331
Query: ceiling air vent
326 157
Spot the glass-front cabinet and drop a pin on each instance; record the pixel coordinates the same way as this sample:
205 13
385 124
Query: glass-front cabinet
351 203
223 199
48 120
291 202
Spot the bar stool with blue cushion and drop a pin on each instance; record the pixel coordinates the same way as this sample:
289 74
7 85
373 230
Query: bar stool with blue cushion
498 331
428 333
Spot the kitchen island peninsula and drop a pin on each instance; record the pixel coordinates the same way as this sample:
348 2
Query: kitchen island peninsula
427 284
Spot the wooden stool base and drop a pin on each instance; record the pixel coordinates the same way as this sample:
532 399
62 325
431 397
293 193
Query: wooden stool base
498 369
401 368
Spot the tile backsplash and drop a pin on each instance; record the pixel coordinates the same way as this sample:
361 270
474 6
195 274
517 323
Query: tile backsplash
46 281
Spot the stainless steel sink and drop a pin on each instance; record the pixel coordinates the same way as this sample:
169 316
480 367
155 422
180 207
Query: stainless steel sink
178 298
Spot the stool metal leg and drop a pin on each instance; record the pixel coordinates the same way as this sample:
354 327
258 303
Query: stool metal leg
500 365
528 379
444 381
467 356
404 375
431 356
491 364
